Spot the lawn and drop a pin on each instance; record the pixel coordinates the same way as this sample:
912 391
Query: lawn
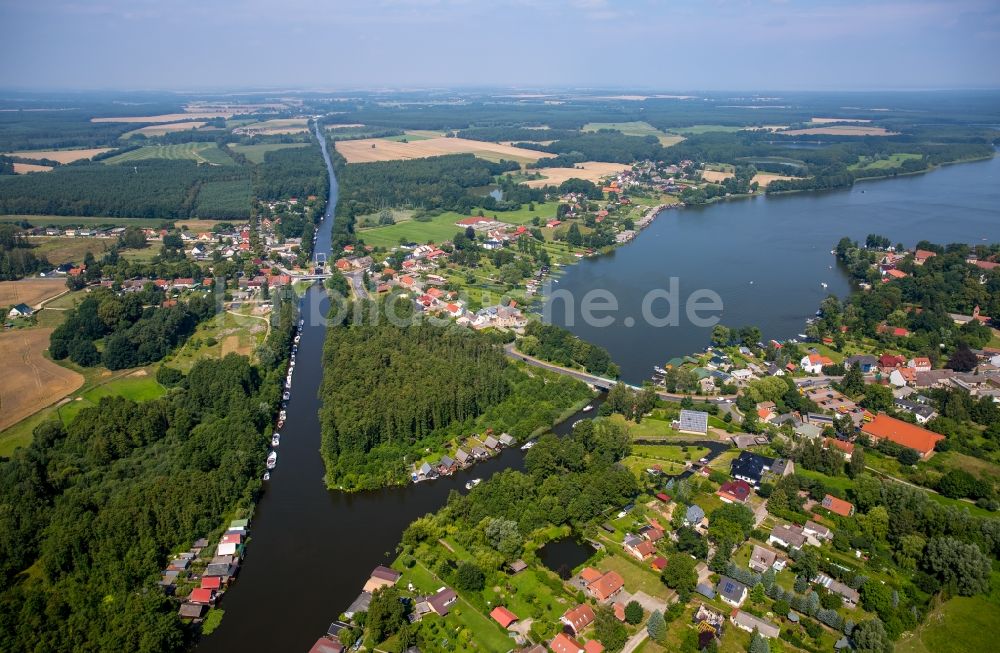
637 575
639 464
138 386
701 129
961 624
892 161
255 153
74 221
214 338
672 452
200 152
651 428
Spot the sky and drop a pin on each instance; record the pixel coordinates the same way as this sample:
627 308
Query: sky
680 45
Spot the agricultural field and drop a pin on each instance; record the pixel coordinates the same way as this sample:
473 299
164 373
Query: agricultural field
255 153
167 117
28 168
68 250
826 121
278 126
138 385
29 291
636 128
588 170
765 178
62 156
81 221
166 128
703 129
30 381
380 149
839 130
715 176
200 152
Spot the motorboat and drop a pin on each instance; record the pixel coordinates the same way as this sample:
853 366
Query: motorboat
822 283
267 476
286 396
659 370
272 459
527 445
281 422
588 408
275 440
473 483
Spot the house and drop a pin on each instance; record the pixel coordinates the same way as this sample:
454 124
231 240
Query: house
732 591
920 364
847 448
812 530
211 583
783 467
192 611
506 439
658 564
638 547
762 559
491 443
921 256
20 310
737 491
902 376
750 467
446 465
850 595
563 643
921 412
694 515
748 622
864 362
201 595
382 577
807 430
503 616
360 604
442 601
902 433
607 586
594 646
790 537
578 618
693 421
517 566
813 363
327 645
838 506
462 457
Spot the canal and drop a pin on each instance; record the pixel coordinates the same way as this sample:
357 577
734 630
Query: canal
312 549
767 257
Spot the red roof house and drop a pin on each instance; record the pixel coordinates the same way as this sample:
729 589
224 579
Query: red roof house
838 506
211 582
902 433
503 616
578 618
563 643
201 595
737 491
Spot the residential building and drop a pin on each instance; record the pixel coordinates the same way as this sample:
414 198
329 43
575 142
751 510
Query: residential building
578 618
381 577
442 601
607 586
693 421
731 591
762 559
694 515
563 643
813 363
902 433
737 491
638 547
503 616
838 506
790 537
750 467
866 363
20 310
922 412
847 448
748 622
817 531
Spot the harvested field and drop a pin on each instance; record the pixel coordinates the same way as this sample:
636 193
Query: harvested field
30 291
197 224
30 381
765 178
276 127
168 117
25 168
62 156
60 250
825 121
715 176
840 130
351 125
168 128
589 170
377 149
199 152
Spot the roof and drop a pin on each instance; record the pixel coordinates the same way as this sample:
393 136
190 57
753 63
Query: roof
326 645
503 616
442 600
200 595
764 627
563 643
738 489
191 610
763 556
607 585
706 590
211 582
789 535
593 646
731 589
902 433
386 573
693 420
694 514
579 617
589 574
846 447
838 506
750 465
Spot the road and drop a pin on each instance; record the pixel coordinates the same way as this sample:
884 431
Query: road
601 382
357 280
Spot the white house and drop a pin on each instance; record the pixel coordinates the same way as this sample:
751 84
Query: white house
20 310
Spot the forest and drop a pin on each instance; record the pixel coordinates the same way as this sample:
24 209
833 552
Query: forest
16 258
92 510
605 145
391 391
136 330
294 172
557 345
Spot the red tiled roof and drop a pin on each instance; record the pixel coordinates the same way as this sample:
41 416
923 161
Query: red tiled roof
579 617
738 490
593 646
563 643
589 574
503 616
619 612
606 585
902 433
200 595
211 582
846 447
838 506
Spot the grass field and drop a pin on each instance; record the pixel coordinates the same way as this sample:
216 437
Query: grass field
167 117
68 250
279 126
589 170
892 161
62 156
223 334
379 149
28 168
443 227
200 152
636 128
30 381
715 176
29 291
167 128
840 130
965 623
80 221
139 385
256 152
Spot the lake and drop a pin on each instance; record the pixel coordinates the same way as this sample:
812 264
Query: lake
766 257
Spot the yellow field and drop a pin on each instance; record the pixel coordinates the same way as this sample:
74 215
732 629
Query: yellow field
589 170
29 291
167 117
30 381
278 126
62 156
824 121
25 168
65 250
714 176
765 178
352 125
377 149
167 128
198 225
840 130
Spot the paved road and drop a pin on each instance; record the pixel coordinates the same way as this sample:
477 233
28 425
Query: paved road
635 641
357 280
600 381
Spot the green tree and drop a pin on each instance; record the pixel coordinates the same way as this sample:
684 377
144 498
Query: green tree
871 637
721 335
959 565
853 382
656 626
386 613
758 643
611 632
633 612
469 577
680 575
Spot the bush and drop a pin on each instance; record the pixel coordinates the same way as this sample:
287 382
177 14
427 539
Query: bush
469 577
168 376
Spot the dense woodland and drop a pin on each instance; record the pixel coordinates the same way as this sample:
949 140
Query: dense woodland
557 345
16 258
604 145
390 391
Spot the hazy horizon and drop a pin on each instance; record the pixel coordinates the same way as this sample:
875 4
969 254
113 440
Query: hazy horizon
788 45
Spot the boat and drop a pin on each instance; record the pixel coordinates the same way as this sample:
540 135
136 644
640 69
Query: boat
527 445
286 396
659 370
473 483
267 476
588 408
833 251
577 422
803 336
822 283
281 422
272 459
301 322
275 440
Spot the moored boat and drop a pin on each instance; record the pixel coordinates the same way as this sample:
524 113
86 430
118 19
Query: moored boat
473 483
272 459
